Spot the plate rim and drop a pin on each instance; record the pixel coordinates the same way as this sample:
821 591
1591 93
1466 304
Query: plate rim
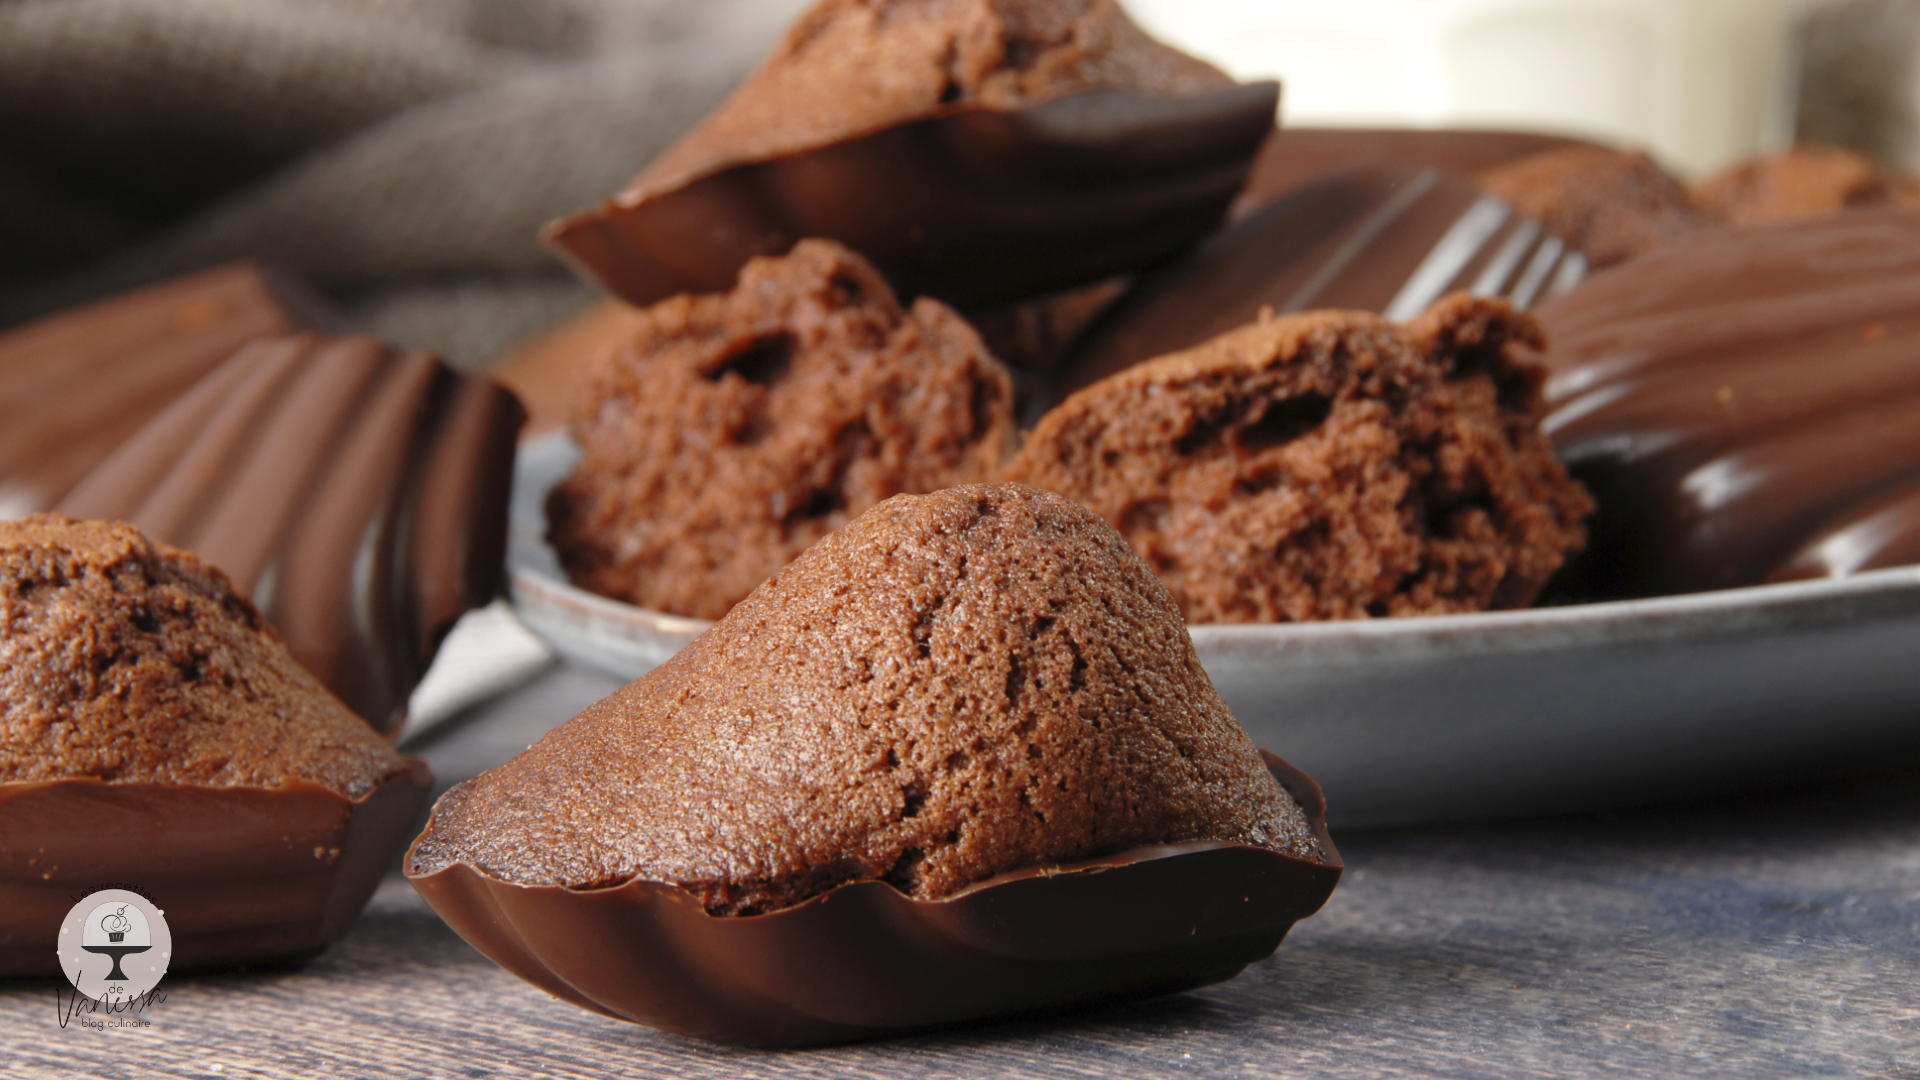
1657 614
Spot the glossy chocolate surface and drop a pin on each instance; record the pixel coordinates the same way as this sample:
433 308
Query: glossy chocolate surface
971 204
356 492
1385 238
73 386
242 874
864 960
1881 532
1292 156
1744 406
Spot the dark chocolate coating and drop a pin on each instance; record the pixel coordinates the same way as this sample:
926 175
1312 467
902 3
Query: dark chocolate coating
865 960
358 493
74 385
1294 155
1736 401
242 874
1883 532
973 205
1385 238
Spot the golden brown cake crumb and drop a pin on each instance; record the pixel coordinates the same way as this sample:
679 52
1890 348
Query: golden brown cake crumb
955 685
1609 204
1805 181
1329 465
126 660
847 67
737 429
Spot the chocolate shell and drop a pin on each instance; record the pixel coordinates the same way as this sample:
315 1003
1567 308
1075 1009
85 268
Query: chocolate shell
242 874
1805 181
73 386
1294 155
356 491
1385 238
1742 406
972 204
865 960
154 730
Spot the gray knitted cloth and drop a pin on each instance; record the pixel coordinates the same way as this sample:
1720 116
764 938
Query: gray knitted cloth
396 155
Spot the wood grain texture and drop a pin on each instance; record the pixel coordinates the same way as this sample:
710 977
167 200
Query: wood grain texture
1777 934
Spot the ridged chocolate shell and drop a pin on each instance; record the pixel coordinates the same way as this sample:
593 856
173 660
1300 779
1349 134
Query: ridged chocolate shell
865 960
357 492
241 874
76 384
1743 406
971 204
1385 238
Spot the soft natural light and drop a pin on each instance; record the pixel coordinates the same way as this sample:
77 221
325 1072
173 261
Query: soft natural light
1697 81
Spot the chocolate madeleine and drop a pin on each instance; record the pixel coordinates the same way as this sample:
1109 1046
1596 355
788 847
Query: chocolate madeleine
979 151
1330 465
958 759
155 730
1609 204
733 431
1805 181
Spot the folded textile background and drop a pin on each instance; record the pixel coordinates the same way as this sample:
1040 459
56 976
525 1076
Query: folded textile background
1859 77
397 155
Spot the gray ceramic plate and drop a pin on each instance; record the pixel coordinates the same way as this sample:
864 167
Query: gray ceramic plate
1408 721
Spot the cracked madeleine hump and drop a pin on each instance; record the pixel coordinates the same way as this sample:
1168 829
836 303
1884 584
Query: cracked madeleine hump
1329 465
955 685
126 660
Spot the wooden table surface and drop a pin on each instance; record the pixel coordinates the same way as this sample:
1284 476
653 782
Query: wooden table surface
1776 934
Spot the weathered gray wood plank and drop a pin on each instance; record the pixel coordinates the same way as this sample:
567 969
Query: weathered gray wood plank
1774 935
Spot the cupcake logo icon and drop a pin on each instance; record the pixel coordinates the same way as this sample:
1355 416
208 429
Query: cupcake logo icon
114 946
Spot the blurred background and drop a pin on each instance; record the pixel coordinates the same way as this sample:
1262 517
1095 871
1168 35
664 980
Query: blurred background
398 155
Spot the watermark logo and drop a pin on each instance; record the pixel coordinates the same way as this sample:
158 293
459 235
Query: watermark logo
114 948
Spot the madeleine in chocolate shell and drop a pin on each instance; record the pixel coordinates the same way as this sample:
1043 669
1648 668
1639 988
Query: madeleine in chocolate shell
977 150
1610 204
957 759
1330 465
155 731
735 430
1805 181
